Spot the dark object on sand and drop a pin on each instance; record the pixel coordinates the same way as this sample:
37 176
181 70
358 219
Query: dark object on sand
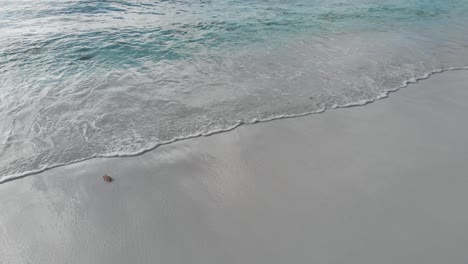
107 178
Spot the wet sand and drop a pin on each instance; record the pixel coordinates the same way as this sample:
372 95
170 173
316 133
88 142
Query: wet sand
382 183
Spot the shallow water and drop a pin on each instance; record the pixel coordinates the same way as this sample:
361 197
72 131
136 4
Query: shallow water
80 79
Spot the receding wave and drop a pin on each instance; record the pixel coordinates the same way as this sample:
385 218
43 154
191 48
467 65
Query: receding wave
383 95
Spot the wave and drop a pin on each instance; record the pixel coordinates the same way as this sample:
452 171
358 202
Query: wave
382 95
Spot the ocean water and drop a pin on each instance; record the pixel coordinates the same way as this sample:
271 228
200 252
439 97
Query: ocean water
84 79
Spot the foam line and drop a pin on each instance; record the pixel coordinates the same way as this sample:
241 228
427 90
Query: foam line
384 94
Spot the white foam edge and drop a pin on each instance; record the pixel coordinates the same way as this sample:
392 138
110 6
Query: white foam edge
384 94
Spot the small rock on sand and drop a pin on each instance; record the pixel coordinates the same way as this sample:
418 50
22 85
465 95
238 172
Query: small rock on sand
107 178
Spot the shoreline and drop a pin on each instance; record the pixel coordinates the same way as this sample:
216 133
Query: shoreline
384 95
383 183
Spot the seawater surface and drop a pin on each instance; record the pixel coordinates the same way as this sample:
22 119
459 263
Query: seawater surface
83 79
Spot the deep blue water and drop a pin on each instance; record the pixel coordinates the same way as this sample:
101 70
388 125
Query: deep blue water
80 79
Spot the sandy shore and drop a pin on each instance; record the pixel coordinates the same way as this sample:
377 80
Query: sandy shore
383 183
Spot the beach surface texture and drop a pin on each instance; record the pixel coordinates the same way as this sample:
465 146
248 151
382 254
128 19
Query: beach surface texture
382 183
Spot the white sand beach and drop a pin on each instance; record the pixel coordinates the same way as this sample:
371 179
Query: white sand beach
383 183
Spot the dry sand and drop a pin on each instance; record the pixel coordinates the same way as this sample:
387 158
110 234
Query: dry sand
382 183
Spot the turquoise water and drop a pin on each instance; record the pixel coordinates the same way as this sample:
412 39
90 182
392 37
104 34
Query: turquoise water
83 79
